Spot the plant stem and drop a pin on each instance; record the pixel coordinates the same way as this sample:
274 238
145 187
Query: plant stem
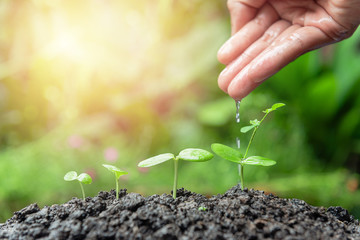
247 150
82 190
251 139
117 187
176 161
253 135
242 176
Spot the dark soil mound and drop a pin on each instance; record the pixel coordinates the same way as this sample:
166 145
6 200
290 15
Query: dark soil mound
235 215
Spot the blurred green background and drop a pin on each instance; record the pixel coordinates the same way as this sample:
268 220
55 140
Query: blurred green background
84 83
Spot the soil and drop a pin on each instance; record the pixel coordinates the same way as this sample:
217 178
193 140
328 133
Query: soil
237 214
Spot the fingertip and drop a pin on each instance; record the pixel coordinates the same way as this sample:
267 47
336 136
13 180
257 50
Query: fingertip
223 54
222 84
241 86
235 94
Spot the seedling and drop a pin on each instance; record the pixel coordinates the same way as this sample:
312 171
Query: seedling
234 155
118 173
202 208
82 178
189 154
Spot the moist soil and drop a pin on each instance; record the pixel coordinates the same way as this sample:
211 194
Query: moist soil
237 214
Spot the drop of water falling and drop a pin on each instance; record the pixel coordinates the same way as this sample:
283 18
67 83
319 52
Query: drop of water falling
237 116
238 142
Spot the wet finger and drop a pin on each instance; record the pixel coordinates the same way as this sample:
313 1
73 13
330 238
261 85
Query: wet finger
240 14
247 34
250 53
271 60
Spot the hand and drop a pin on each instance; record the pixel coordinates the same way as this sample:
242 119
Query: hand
269 34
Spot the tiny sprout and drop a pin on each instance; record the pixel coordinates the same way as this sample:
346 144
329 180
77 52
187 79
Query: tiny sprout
234 155
118 173
82 178
202 208
189 154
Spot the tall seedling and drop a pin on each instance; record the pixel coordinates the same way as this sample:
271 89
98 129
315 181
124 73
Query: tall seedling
234 155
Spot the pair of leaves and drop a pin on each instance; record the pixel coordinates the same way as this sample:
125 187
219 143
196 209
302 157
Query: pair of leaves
256 123
83 177
233 155
189 154
117 171
274 107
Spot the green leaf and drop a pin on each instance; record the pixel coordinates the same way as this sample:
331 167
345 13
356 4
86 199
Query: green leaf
274 107
117 171
226 152
195 155
70 176
246 129
156 160
255 122
259 161
84 178
277 105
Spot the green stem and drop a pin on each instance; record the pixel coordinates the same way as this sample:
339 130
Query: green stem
82 190
253 135
117 187
242 176
251 139
247 150
176 161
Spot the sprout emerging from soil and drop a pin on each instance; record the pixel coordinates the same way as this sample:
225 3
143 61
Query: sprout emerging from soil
118 173
189 154
234 155
202 208
82 178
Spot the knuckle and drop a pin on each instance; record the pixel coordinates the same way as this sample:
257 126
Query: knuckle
260 20
268 37
247 55
297 39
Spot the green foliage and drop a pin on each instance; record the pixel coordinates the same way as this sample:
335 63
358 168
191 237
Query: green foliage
227 153
189 154
233 155
194 155
274 107
118 173
258 161
82 178
156 160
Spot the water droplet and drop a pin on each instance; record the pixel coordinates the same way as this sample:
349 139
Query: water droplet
238 142
237 118
237 115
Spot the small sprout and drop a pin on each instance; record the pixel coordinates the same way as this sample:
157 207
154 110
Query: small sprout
82 178
202 208
189 154
234 155
118 173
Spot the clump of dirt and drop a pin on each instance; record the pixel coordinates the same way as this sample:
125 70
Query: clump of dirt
237 214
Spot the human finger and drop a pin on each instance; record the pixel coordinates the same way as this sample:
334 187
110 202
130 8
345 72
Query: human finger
284 50
250 53
240 14
247 34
